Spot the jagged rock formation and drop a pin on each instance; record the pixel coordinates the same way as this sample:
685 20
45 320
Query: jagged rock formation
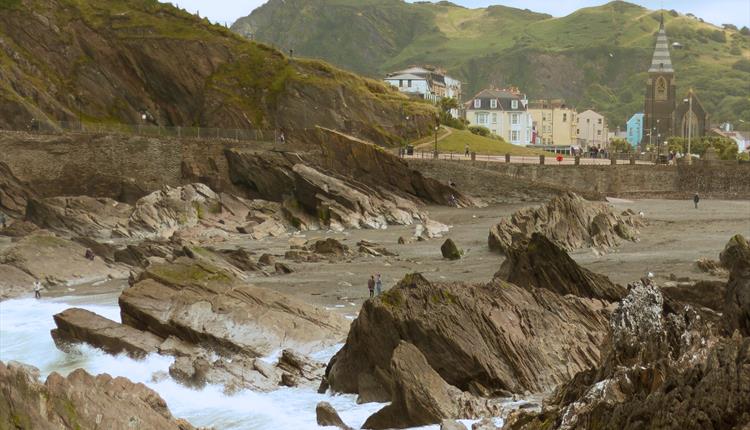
90 59
79 401
662 368
736 258
314 198
450 250
422 397
489 339
539 263
82 326
99 218
199 302
13 193
569 221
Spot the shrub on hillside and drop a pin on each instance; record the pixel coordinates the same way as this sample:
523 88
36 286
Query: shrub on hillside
480 131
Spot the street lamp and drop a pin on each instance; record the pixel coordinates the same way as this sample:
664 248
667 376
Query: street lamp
689 101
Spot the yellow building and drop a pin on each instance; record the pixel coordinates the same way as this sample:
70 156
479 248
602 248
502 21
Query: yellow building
554 123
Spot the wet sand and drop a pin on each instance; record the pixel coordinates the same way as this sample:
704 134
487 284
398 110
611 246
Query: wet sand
675 237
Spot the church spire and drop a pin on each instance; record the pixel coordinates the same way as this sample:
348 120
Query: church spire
661 62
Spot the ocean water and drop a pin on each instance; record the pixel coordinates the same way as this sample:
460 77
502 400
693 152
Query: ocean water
25 326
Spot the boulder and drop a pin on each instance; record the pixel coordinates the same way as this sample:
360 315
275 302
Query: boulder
452 425
328 247
421 397
450 251
282 269
200 303
569 221
267 260
538 263
712 267
233 374
490 339
82 326
484 424
430 229
80 401
140 254
736 257
306 370
327 416
366 247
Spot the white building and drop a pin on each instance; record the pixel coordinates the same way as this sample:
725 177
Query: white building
592 130
504 112
428 83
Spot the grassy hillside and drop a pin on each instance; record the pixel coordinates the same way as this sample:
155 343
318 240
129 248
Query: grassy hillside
595 58
111 60
457 140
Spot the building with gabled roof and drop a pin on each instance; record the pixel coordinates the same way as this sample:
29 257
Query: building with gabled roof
504 112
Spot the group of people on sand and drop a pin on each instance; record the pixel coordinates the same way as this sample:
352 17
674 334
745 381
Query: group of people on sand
375 285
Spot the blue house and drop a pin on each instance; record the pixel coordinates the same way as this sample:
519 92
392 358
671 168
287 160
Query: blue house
635 129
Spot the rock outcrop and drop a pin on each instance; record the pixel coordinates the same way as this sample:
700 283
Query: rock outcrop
56 261
313 198
14 194
201 303
82 326
569 221
538 262
421 397
489 339
79 401
661 368
99 218
736 258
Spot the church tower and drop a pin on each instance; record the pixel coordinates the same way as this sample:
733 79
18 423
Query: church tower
661 94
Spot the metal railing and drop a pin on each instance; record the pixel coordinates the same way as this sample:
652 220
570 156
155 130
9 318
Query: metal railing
239 134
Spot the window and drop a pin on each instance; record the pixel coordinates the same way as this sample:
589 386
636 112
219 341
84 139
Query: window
477 103
514 119
494 118
401 83
661 89
599 121
565 117
409 83
514 135
588 120
482 118
493 104
578 131
514 104
599 132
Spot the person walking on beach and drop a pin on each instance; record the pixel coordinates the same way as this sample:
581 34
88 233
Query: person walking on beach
378 285
371 286
466 150
37 290
696 200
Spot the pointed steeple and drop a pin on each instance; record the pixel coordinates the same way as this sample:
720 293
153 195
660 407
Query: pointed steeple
661 62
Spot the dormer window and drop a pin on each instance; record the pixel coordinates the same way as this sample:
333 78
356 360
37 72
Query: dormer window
514 104
477 103
493 104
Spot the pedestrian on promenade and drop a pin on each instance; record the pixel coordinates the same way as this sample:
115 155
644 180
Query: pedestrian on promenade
371 286
378 285
466 150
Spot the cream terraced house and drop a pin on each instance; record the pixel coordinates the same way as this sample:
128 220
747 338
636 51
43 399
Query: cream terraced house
554 123
504 112
592 130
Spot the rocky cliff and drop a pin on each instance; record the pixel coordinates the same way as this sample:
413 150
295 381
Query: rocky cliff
114 61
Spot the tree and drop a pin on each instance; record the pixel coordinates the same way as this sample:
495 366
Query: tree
745 31
725 148
446 105
620 145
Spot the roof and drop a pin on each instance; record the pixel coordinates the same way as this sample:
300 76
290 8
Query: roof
504 98
661 61
407 76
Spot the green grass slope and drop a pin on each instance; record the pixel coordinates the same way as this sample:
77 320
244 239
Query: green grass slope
457 140
595 58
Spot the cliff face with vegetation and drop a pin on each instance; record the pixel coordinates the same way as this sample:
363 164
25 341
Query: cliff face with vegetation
595 58
108 61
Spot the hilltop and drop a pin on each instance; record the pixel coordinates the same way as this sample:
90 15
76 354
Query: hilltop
596 57
109 61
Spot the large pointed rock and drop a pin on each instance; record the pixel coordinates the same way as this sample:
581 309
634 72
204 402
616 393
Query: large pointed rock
538 262
14 194
490 339
421 397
